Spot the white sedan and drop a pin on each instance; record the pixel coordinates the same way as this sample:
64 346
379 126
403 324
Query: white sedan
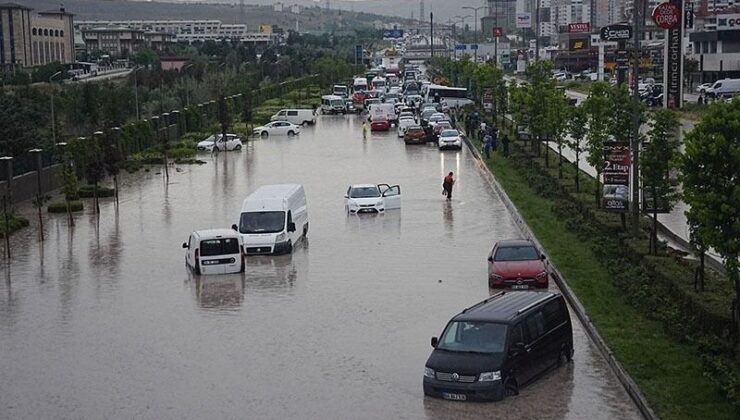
277 128
371 198
450 138
232 142
403 124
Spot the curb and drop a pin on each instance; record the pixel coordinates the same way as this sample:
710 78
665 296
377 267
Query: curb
629 385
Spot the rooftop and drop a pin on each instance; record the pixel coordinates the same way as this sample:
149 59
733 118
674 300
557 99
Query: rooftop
503 306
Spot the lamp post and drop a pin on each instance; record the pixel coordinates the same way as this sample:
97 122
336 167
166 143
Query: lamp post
7 199
475 13
431 33
537 32
187 84
136 92
53 121
461 19
96 139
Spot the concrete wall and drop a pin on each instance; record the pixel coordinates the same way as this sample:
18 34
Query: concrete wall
24 186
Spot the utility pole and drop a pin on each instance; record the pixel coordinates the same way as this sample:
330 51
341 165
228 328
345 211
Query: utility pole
537 32
635 146
431 33
475 14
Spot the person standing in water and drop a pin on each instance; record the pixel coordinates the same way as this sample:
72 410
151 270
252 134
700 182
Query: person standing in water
447 184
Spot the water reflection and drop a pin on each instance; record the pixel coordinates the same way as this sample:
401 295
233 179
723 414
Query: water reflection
225 292
389 223
276 274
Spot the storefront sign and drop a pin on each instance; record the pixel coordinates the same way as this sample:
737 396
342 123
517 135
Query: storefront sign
667 15
729 22
618 32
672 71
579 27
616 174
578 44
523 20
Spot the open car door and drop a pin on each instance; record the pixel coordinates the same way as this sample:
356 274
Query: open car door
391 196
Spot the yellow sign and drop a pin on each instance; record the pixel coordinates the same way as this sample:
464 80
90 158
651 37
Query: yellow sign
265 28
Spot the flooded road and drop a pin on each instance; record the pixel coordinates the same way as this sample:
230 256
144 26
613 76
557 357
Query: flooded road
104 321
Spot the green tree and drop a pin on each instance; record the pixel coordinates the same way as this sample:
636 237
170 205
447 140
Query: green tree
557 123
69 186
711 185
597 107
658 159
578 128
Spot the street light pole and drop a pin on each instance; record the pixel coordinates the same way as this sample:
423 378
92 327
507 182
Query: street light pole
53 121
136 92
475 25
431 33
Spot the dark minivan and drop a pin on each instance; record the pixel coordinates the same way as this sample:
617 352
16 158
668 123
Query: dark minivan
493 348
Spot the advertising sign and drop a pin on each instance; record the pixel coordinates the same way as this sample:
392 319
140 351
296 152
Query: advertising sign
392 33
488 99
667 15
583 27
616 173
498 32
673 68
619 32
578 44
523 20
622 60
728 22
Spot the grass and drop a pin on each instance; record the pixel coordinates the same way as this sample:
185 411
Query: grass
15 223
61 206
88 191
669 373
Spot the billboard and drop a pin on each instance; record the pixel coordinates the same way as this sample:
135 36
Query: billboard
730 22
616 190
392 33
578 44
583 27
523 20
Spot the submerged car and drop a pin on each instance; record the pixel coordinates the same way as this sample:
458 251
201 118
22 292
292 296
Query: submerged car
370 198
516 264
231 142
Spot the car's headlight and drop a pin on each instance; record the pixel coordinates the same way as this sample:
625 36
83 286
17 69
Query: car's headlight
379 203
541 276
497 276
490 376
281 237
429 372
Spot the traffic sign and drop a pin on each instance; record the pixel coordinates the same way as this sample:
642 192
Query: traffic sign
498 32
460 47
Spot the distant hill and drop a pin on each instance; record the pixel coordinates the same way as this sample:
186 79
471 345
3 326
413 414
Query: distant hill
311 18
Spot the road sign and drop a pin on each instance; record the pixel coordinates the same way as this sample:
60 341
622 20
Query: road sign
461 47
618 32
473 46
358 54
667 15
498 32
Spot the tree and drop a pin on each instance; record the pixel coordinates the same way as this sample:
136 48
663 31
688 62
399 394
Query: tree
657 160
711 185
224 119
597 107
557 123
69 186
541 85
578 128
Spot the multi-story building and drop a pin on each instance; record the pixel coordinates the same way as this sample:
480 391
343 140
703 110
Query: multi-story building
717 47
114 40
184 30
28 39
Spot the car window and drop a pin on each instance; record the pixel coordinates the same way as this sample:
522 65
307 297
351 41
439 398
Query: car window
517 334
364 192
292 113
535 325
554 314
448 133
392 191
223 246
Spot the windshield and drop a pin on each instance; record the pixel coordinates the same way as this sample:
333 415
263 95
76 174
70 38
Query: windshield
448 133
364 192
516 253
474 336
434 118
360 88
262 222
337 102
428 113
211 247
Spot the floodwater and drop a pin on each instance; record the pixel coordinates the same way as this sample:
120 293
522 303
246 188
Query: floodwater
103 320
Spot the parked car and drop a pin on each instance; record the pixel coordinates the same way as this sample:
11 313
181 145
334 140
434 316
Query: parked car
449 138
295 116
492 349
702 88
380 124
403 124
277 128
231 142
214 251
517 264
370 198
414 134
724 87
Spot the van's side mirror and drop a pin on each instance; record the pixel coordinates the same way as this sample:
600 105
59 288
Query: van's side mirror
435 341
517 348
185 245
291 227
234 227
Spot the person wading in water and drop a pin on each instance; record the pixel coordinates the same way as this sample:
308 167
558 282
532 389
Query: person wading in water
447 184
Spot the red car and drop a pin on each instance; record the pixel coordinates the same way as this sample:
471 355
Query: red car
516 264
380 124
442 125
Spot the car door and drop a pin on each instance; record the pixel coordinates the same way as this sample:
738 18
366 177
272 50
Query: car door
391 196
537 346
518 363
189 253
221 143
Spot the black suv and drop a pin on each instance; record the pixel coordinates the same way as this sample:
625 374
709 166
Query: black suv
491 349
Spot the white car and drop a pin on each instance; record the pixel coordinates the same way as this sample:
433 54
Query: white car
277 128
702 88
403 123
371 198
232 142
450 138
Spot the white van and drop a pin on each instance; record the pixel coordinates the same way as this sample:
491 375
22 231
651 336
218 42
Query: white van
724 87
295 116
333 104
214 251
273 219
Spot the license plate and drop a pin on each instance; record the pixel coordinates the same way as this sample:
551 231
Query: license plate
455 397
519 286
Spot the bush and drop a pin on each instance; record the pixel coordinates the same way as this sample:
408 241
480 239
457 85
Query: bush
88 191
14 223
61 206
181 153
132 165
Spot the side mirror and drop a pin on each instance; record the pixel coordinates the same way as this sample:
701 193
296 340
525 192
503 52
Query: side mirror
542 257
435 341
291 227
490 258
346 195
185 245
517 348
234 227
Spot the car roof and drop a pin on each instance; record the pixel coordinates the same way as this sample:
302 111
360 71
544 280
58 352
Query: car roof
363 186
504 306
513 242
216 233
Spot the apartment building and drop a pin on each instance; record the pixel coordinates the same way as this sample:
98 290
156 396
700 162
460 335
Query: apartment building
30 39
183 30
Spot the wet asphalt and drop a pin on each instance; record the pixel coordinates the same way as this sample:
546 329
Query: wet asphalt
103 320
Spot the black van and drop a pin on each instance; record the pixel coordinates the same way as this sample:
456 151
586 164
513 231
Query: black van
491 349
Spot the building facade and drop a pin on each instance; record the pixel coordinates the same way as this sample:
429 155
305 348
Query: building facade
116 41
183 30
28 39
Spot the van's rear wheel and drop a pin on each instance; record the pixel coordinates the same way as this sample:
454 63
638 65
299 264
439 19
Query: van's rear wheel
305 123
197 267
511 388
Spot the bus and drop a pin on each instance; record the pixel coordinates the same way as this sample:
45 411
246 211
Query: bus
454 96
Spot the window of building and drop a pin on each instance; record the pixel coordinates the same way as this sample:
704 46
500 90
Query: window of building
61 33
713 47
697 47
33 31
56 33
